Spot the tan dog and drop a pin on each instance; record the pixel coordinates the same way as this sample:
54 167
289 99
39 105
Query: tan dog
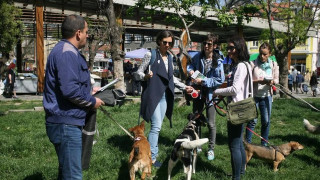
311 128
140 156
274 154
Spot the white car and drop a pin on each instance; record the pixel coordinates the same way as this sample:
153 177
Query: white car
97 69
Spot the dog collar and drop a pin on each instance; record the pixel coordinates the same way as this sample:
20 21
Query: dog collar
137 138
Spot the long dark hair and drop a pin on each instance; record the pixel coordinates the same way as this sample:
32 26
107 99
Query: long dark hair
71 25
164 34
241 48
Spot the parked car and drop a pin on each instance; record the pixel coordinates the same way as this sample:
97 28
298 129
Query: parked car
97 69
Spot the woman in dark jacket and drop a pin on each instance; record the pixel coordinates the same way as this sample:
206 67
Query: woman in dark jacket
158 95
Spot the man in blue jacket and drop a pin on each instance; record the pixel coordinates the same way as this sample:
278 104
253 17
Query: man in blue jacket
67 97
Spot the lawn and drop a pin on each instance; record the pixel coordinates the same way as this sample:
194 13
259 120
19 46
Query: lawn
26 153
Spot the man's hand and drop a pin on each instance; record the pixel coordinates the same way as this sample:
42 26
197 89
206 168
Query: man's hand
191 72
94 90
99 103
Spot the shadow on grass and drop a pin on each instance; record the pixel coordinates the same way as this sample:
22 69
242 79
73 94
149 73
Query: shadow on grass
36 176
308 159
124 168
124 143
201 166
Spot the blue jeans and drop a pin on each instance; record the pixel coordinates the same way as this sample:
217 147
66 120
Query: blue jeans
264 105
67 140
236 147
156 123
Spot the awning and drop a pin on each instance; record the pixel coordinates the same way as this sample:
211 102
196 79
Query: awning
139 53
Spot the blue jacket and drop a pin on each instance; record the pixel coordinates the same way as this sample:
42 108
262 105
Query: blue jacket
290 79
299 79
66 96
214 77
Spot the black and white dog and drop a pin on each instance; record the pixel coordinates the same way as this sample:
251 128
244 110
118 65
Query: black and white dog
185 146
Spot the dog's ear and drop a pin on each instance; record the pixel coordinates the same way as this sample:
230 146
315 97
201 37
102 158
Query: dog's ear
296 145
130 129
142 125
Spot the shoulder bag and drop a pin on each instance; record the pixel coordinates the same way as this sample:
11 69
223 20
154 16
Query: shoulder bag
243 111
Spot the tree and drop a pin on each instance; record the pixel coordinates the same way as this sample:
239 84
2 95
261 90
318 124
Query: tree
107 8
10 29
298 16
98 36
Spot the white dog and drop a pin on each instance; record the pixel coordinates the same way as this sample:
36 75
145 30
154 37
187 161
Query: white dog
311 128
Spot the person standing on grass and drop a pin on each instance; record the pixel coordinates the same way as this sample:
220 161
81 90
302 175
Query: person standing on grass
157 97
265 74
238 89
209 63
314 83
66 96
10 81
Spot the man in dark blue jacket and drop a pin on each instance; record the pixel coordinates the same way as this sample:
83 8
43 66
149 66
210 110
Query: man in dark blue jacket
67 97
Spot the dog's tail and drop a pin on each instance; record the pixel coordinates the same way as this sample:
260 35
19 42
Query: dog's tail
195 143
311 128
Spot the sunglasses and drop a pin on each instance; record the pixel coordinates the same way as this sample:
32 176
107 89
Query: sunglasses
231 48
205 43
166 42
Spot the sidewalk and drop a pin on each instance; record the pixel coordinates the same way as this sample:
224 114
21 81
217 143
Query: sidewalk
24 97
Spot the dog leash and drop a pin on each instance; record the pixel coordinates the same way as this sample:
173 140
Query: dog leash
259 136
108 114
286 91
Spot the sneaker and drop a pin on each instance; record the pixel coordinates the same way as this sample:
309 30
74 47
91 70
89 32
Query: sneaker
210 155
157 164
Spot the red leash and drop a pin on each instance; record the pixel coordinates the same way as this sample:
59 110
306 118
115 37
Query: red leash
258 135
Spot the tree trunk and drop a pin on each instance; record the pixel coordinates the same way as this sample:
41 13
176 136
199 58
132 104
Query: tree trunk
92 54
116 40
283 72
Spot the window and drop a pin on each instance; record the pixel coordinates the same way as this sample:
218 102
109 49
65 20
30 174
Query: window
128 38
255 43
148 38
137 38
176 43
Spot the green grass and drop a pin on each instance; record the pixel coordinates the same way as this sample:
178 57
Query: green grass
26 153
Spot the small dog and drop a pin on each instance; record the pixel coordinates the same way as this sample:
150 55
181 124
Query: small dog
311 128
185 146
140 156
274 154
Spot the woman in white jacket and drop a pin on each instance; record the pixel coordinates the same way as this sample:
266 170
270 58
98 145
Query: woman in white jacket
237 90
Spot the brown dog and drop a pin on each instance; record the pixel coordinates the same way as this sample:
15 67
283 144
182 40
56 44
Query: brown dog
274 154
140 156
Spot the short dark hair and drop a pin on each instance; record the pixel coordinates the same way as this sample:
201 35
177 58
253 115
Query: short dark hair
241 48
71 24
212 37
163 34
265 45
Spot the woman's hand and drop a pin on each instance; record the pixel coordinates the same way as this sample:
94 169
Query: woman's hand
197 81
148 76
189 89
